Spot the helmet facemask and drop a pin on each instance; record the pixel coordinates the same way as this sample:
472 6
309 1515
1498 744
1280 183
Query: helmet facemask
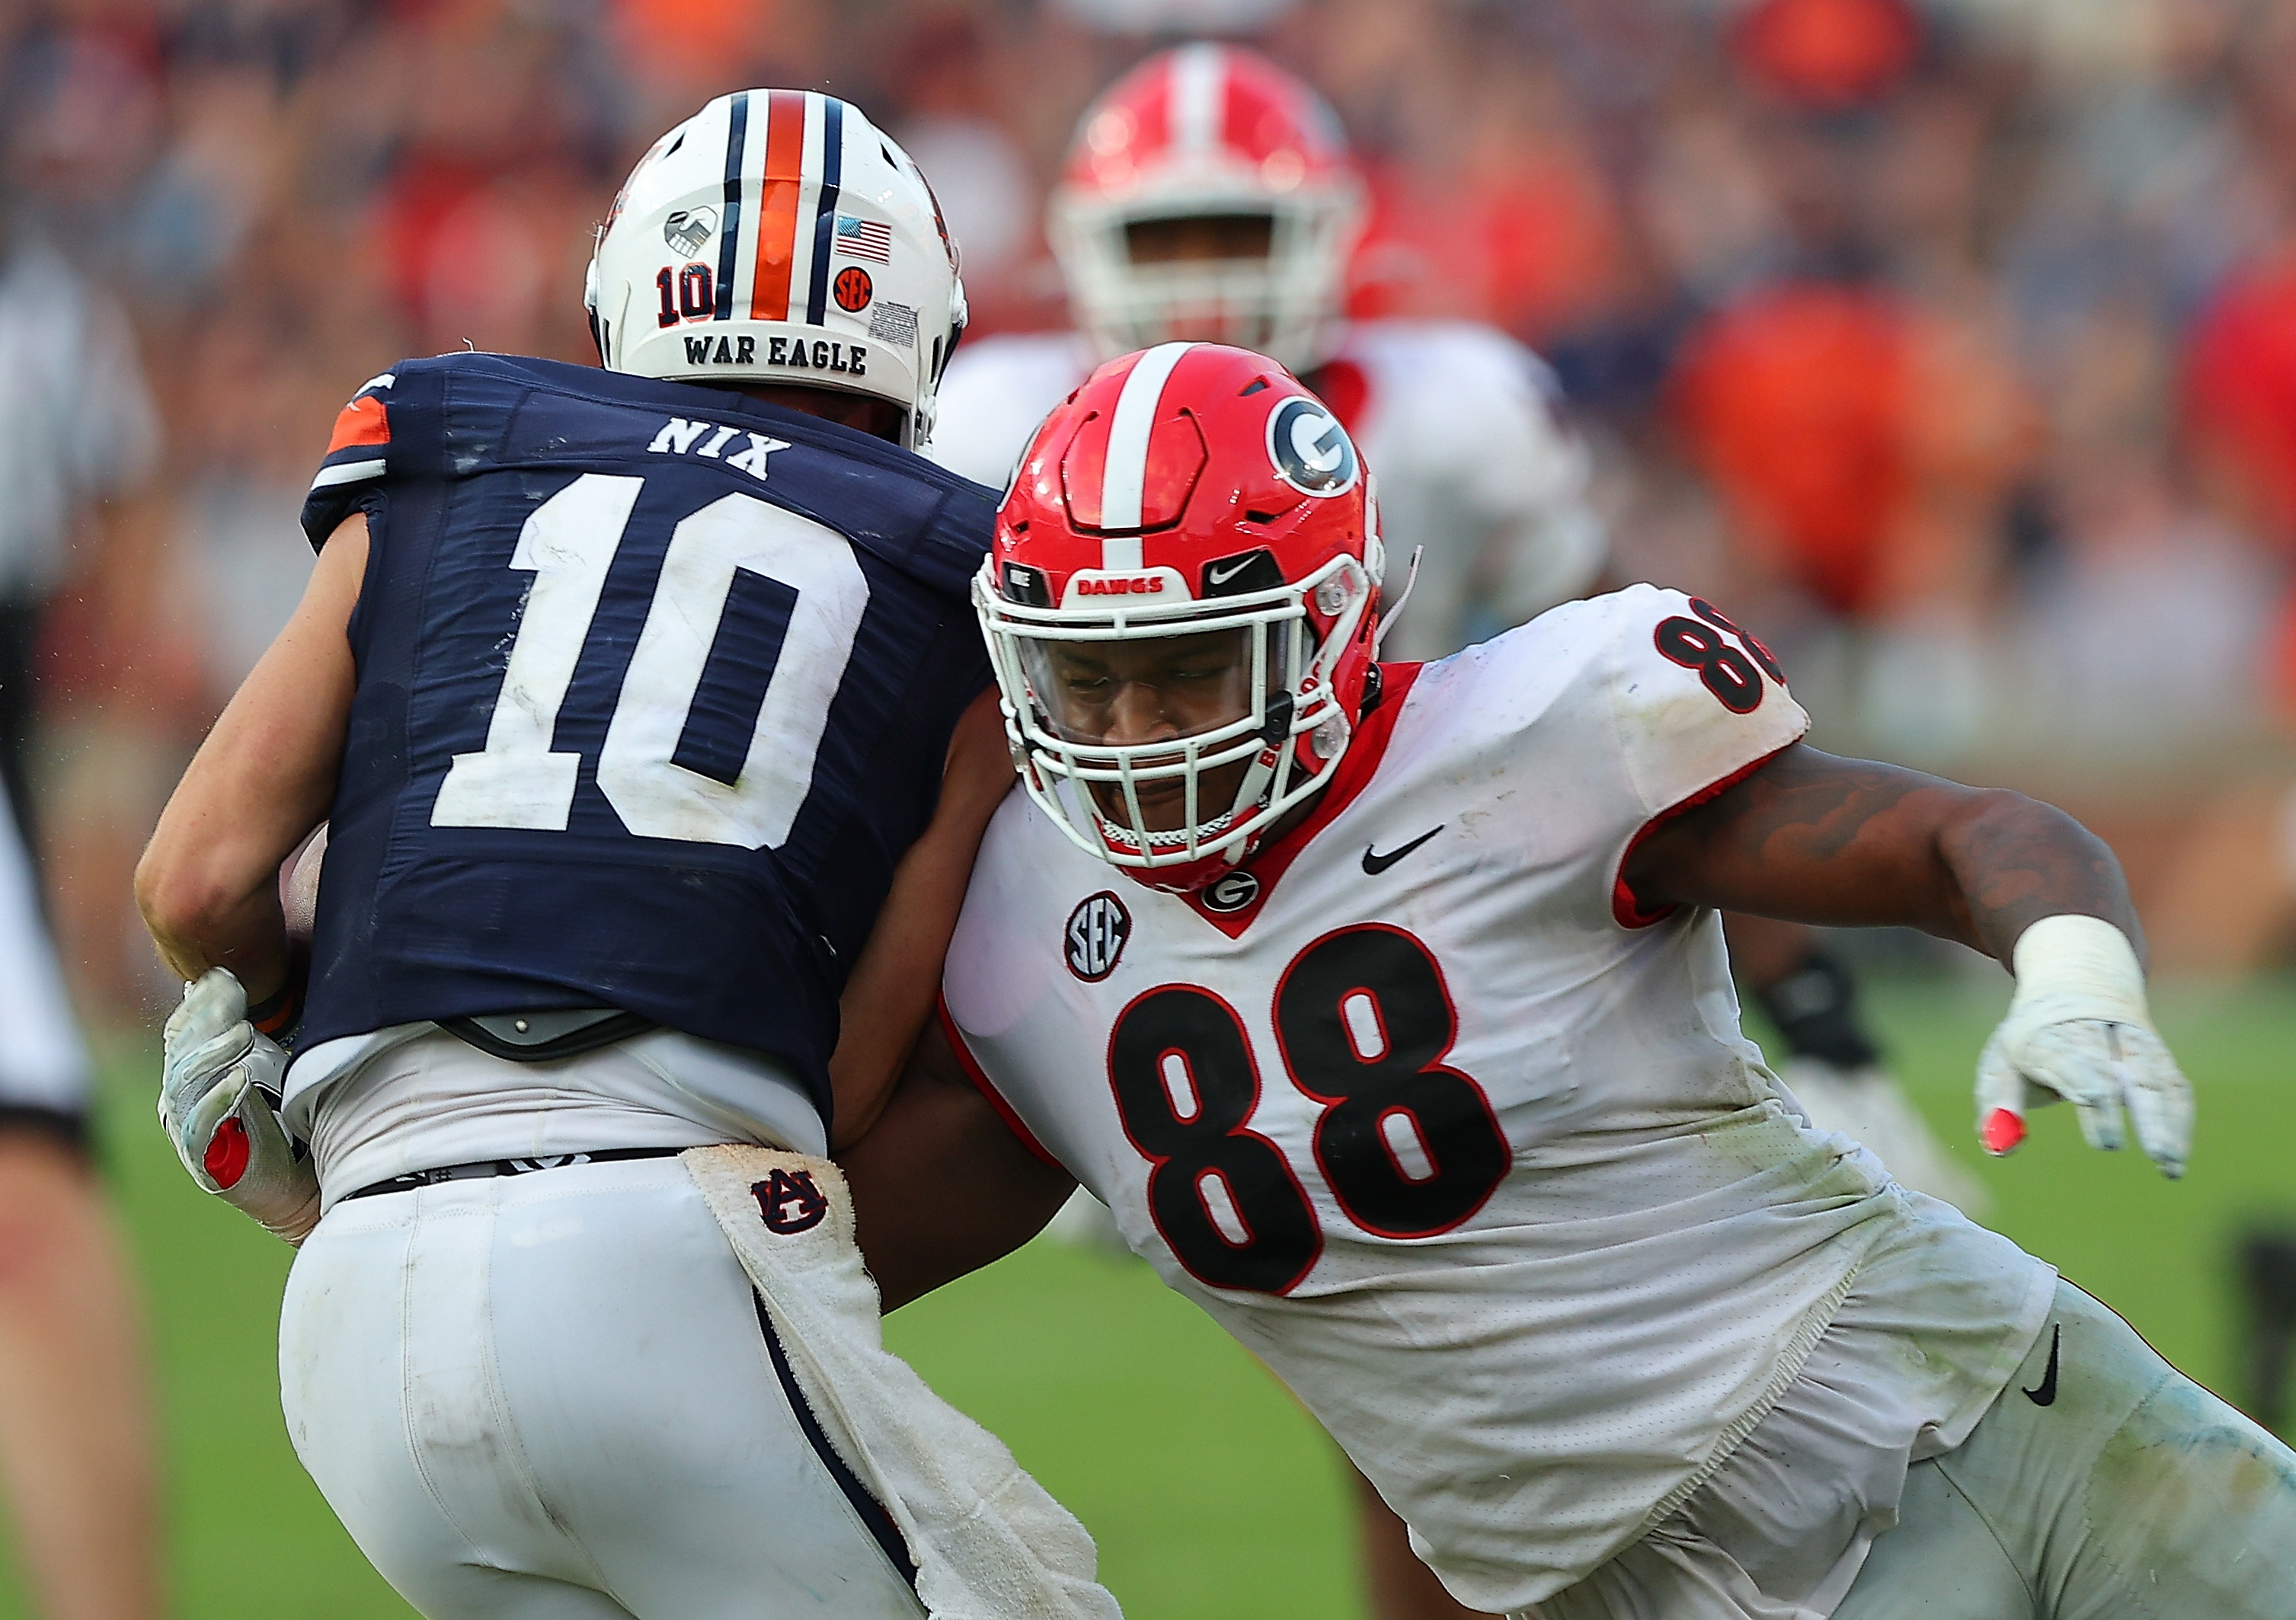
1231 703
1280 302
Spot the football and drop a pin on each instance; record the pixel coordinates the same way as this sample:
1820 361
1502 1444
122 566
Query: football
298 885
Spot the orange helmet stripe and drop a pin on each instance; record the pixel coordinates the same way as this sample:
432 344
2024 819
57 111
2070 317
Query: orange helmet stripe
777 205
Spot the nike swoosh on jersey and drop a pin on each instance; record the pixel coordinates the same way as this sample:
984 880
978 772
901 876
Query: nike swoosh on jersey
1375 863
2047 1395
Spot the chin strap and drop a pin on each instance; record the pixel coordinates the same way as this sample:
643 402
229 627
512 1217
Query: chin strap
1387 619
1265 774
1270 772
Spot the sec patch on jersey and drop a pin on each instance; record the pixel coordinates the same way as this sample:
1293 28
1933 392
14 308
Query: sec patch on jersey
1095 933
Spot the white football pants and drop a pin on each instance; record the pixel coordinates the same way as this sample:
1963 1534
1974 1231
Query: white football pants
553 1396
2132 1494
2102 1485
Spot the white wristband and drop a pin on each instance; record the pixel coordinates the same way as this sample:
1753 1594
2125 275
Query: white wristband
2077 966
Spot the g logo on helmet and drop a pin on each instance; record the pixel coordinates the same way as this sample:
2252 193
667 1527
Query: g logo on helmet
1311 450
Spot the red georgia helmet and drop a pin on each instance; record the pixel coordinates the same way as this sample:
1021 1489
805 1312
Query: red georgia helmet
1189 489
1207 129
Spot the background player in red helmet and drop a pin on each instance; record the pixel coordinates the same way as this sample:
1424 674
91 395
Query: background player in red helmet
1408 1052
1209 195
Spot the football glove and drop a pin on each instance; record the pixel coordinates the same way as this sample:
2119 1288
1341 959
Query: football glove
219 1091
2078 1030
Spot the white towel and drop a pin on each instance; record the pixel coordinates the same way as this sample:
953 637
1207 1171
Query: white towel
989 1543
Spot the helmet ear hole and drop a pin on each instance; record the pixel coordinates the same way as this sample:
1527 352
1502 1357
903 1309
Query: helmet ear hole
603 324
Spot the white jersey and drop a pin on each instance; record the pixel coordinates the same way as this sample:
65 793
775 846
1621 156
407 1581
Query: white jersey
44 1063
1456 421
76 418
1433 1120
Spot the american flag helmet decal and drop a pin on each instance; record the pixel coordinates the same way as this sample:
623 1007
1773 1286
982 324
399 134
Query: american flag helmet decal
868 238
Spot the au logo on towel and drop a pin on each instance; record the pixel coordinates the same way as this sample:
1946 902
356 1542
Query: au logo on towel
789 1201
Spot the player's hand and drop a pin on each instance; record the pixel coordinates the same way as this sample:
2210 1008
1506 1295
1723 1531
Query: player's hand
2078 1030
219 1091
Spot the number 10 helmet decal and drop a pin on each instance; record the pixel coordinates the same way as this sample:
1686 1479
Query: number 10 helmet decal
1179 606
777 236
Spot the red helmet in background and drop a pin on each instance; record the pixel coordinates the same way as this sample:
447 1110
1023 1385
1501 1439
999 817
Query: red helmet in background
1208 131
1179 605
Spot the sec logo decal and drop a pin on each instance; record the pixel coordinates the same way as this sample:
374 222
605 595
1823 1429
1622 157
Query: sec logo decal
853 288
1095 934
1310 450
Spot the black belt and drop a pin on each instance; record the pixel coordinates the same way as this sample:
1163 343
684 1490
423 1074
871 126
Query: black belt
481 1169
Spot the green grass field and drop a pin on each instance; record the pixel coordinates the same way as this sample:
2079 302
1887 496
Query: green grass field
1212 1494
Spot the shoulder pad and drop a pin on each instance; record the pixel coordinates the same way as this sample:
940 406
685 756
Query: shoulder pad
1696 699
356 461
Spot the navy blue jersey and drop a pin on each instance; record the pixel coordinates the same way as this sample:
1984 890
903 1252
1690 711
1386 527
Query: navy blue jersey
655 687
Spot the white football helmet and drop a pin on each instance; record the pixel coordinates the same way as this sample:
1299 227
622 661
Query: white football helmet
1208 130
779 236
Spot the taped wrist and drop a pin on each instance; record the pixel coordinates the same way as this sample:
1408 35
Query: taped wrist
277 1014
1815 1007
2076 967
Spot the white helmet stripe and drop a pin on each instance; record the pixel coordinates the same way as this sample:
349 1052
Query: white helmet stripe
1199 98
829 113
1124 473
730 227
810 153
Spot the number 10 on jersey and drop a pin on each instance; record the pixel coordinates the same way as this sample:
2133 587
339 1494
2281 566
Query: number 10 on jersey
568 543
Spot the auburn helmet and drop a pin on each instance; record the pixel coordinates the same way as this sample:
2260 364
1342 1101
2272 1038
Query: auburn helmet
1180 604
778 236
1207 132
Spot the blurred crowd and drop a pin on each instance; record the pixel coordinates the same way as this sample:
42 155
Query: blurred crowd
1956 343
